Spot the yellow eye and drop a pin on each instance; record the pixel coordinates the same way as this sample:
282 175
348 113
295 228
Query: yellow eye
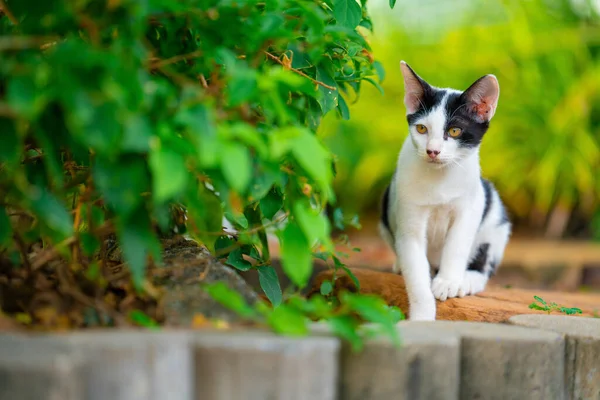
455 132
421 128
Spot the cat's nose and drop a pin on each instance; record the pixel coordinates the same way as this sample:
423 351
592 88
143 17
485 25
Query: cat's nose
432 153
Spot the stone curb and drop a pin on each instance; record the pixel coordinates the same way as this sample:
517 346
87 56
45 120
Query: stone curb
582 352
426 366
260 365
436 360
34 370
506 362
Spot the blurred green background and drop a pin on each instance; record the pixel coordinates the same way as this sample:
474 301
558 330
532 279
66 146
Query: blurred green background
542 150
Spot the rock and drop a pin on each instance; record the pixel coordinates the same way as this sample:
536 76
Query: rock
261 365
191 265
426 366
582 372
506 362
493 305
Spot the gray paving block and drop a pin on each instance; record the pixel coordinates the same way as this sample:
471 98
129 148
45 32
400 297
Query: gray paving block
426 366
504 362
260 365
38 370
137 364
582 369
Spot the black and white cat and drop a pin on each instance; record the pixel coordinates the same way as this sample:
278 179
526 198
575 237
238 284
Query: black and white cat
438 213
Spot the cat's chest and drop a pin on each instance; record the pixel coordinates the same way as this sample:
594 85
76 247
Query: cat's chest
438 222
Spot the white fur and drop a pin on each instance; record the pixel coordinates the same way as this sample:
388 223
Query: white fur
435 215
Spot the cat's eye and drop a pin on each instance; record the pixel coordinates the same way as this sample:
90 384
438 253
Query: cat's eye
454 132
421 128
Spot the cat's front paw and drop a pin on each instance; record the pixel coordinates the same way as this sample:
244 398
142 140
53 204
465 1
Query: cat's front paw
422 312
444 288
473 282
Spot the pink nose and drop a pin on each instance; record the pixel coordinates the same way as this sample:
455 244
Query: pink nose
433 153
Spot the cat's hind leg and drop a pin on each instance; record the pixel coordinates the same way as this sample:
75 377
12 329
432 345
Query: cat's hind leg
486 257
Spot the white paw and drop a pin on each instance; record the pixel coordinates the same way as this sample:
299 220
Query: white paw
443 288
473 282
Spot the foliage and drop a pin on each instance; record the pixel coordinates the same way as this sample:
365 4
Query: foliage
543 147
134 118
540 304
343 316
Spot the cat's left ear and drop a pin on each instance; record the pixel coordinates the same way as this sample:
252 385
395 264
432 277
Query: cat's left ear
482 97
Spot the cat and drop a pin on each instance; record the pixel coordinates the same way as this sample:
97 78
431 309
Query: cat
438 213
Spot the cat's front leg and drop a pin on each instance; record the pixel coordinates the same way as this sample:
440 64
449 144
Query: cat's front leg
449 281
412 259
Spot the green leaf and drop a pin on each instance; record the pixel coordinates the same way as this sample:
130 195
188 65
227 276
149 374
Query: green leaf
53 213
314 224
326 288
392 3
199 122
237 260
329 97
270 284
89 243
230 299
242 86
24 97
379 70
347 328
237 219
343 108
315 159
540 300
287 320
339 264
169 174
374 83
138 242
137 132
236 165
347 13
535 306
5 228
205 214
223 243
122 182
271 203
10 143
296 255
142 319
373 309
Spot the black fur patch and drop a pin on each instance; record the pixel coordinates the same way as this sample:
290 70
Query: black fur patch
478 262
487 189
385 213
432 97
460 116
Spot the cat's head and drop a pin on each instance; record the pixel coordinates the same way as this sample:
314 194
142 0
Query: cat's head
447 125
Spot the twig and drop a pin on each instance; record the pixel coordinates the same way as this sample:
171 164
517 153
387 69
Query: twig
161 63
8 13
23 249
5 109
275 58
52 253
79 296
25 42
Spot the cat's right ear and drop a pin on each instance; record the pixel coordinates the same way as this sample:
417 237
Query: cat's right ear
414 88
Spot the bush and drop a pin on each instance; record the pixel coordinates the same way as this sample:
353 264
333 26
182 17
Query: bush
116 115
